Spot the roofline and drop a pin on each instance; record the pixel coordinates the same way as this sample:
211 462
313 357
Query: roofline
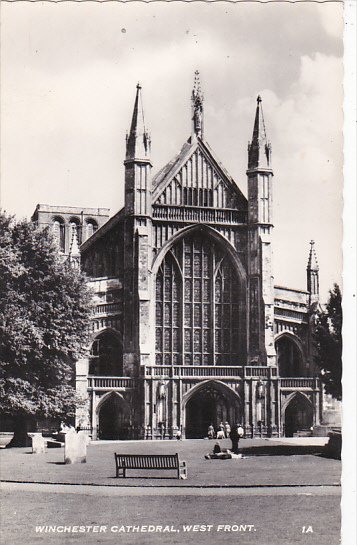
177 165
100 211
222 168
291 289
103 230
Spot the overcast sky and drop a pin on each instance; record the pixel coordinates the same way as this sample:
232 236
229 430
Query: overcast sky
69 73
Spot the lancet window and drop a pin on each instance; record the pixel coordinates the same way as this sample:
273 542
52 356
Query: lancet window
91 228
59 233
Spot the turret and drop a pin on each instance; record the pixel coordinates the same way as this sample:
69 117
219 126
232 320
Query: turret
137 163
312 276
261 288
137 243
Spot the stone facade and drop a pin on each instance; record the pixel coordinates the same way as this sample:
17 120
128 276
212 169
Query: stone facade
188 328
70 225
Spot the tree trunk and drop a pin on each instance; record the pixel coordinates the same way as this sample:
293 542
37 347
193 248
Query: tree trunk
23 424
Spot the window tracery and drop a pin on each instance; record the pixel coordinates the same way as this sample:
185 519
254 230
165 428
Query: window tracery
197 305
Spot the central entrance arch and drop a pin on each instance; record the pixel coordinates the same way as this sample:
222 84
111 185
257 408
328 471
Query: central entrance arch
210 403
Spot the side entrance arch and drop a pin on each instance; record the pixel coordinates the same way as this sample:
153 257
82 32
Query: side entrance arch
113 418
210 403
298 415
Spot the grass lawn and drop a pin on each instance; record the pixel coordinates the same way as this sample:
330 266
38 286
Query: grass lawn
253 470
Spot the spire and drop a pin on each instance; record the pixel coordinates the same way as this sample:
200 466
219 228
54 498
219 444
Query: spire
259 150
138 143
312 274
197 107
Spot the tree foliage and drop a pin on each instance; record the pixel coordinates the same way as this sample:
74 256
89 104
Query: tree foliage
328 343
44 322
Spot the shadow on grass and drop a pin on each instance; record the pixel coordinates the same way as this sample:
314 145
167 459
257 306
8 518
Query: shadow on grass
282 450
329 454
144 477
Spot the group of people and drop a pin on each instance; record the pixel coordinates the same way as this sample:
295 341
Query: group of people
225 431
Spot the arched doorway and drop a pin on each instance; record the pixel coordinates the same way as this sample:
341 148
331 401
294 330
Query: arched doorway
114 419
289 357
210 404
298 415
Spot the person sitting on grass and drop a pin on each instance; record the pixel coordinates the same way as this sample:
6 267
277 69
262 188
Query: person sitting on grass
219 453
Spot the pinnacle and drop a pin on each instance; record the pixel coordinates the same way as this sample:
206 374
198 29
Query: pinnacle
259 150
312 264
197 106
74 246
138 140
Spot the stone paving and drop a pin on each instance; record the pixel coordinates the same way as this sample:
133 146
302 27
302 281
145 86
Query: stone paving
268 497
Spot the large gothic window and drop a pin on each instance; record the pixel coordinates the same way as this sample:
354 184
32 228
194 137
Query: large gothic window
198 313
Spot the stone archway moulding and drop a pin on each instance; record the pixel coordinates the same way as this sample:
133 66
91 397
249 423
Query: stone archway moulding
293 396
293 338
219 385
212 233
106 396
100 332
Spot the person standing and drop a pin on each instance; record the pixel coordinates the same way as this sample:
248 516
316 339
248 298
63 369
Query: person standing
227 429
220 431
234 437
210 432
240 431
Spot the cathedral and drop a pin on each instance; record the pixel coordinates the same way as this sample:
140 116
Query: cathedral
188 328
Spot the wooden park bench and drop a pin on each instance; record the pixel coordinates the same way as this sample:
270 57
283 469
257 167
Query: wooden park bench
150 461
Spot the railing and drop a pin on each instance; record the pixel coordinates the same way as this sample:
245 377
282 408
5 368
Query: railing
298 383
198 214
193 371
106 308
108 383
258 371
210 371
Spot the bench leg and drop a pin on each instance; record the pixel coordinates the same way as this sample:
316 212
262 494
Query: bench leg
120 471
182 472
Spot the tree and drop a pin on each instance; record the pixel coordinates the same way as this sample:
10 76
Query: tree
328 343
45 308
